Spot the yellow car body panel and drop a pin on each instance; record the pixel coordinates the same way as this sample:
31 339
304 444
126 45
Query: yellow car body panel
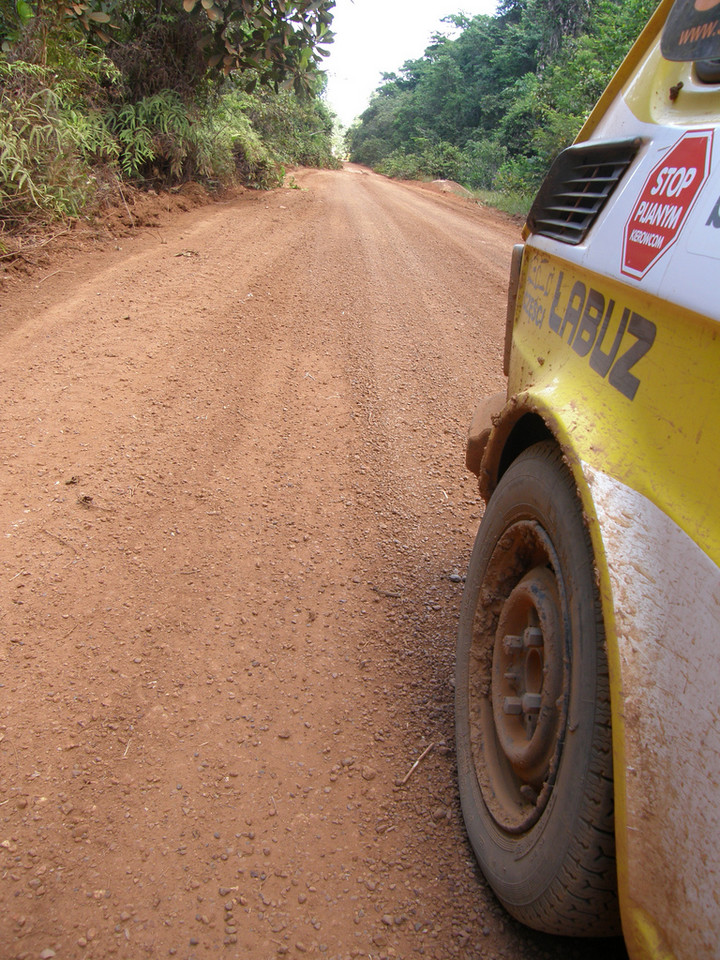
615 344
664 441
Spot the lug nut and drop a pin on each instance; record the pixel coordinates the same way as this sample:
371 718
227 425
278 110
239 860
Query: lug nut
512 643
531 703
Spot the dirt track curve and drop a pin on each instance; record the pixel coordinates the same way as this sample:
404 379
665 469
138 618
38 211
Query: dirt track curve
235 521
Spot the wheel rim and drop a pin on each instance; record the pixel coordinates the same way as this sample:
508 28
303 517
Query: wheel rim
519 677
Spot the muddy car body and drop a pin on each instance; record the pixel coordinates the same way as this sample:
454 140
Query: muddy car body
588 720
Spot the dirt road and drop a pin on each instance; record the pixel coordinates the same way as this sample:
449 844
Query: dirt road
235 520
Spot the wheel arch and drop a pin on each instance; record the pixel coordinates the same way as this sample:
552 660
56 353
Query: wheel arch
514 438
523 421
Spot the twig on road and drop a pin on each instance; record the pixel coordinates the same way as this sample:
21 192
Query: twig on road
414 767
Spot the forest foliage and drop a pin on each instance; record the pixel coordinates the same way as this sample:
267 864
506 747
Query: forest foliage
494 99
94 93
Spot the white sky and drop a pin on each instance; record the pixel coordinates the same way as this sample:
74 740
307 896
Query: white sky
373 37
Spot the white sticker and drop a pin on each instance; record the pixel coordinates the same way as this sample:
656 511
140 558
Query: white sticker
704 238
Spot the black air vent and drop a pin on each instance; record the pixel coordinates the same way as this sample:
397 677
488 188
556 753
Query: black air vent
578 186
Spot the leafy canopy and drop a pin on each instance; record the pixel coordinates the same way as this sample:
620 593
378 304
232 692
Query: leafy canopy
276 39
496 98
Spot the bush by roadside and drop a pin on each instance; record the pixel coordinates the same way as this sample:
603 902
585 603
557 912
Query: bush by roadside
81 122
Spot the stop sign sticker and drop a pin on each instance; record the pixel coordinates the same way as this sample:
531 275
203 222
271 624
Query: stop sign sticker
665 201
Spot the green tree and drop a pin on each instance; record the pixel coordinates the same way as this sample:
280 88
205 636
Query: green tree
575 78
277 39
509 92
160 111
558 19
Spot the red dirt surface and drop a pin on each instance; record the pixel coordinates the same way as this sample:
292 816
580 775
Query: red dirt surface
235 521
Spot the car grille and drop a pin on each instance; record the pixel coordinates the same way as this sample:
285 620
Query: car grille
578 186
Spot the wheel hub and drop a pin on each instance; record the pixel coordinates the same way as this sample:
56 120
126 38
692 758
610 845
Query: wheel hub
519 678
527 675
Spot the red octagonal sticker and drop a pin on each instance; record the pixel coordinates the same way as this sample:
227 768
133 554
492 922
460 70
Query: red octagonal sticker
665 201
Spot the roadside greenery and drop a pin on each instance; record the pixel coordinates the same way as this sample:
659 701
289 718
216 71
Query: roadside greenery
155 93
491 103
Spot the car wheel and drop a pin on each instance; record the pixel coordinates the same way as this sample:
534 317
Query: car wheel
533 707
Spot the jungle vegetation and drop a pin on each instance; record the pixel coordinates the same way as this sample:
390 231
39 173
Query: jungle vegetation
493 99
96 93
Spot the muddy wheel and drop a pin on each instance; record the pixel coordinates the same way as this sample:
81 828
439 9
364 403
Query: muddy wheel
532 706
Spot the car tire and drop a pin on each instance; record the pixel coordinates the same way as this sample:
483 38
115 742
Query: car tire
533 724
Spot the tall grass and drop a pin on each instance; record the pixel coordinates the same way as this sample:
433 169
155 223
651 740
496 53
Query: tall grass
41 172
